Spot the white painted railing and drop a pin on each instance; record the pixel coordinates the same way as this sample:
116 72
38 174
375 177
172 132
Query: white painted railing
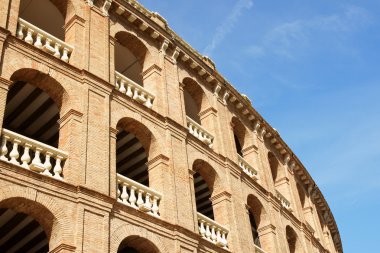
247 168
41 39
212 231
133 90
24 146
138 196
199 132
285 203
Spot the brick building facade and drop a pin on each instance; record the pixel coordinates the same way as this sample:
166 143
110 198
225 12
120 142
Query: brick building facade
117 136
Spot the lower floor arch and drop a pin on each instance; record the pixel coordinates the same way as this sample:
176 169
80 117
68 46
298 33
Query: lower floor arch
20 232
137 244
133 239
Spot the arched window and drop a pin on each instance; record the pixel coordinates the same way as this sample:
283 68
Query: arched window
202 196
292 239
239 132
52 20
257 219
195 99
20 232
30 135
136 244
131 157
273 163
130 54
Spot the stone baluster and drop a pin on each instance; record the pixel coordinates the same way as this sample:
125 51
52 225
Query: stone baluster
25 158
132 197
140 200
202 229
57 46
155 206
149 102
20 31
148 204
36 162
38 42
14 155
124 194
208 232
47 164
29 36
129 91
213 234
58 167
122 87
4 149
65 54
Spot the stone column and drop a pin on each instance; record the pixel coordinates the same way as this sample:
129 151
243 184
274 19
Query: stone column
13 16
73 141
209 120
112 159
161 179
75 30
4 86
268 238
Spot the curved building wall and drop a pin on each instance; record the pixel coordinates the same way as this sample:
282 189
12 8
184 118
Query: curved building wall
157 154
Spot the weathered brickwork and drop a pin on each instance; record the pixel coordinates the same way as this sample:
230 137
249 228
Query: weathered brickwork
81 213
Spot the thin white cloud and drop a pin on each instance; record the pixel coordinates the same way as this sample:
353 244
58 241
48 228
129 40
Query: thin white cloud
288 39
227 25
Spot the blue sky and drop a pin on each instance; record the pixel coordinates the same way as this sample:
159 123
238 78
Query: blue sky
312 70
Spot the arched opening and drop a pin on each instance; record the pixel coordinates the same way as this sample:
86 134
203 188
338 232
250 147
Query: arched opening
136 244
301 194
130 54
132 149
48 15
20 232
31 112
239 134
30 136
273 164
204 181
194 99
131 158
202 196
292 239
27 226
257 216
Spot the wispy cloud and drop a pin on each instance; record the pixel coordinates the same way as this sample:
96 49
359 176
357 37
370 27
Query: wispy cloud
289 38
227 25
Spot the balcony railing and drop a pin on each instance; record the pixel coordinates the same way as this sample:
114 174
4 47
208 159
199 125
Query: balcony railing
212 231
133 90
199 132
138 196
284 202
28 148
247 168
258 249
41 39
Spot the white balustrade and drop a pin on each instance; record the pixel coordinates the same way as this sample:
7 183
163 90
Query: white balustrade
258 249
199 132
247 168
43 40
138 196
212 231
133 90
285 203
19 150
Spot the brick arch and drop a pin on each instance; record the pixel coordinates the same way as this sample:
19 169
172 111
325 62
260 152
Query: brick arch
45 210
120 33
239 130
210 175
124 231
293 240
197 92
258 211
148 135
